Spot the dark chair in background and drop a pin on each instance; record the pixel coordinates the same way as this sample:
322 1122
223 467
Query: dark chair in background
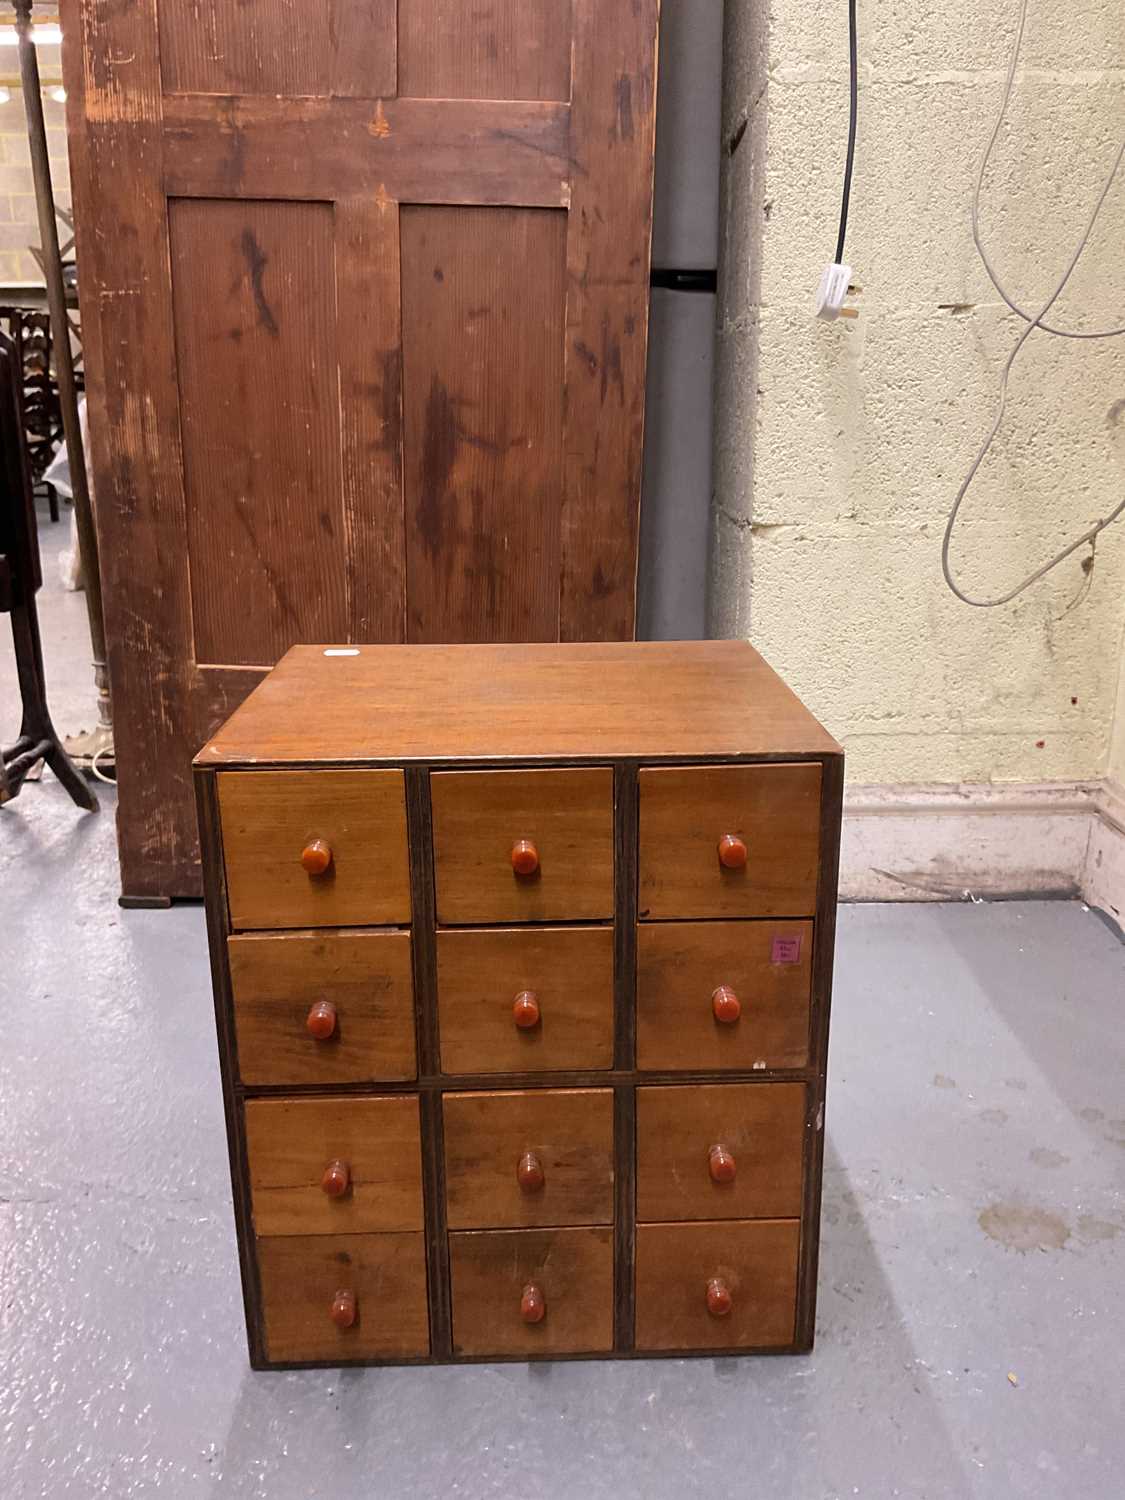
29 329
20 579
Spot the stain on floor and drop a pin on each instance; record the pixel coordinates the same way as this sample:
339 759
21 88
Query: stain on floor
993 1116
1019 1226
1091 1228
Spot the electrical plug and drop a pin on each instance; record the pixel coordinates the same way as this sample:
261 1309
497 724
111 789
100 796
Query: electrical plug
831 293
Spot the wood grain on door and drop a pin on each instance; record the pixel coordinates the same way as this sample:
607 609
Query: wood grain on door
364 292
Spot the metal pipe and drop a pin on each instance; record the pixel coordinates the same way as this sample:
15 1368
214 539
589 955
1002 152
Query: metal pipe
64 359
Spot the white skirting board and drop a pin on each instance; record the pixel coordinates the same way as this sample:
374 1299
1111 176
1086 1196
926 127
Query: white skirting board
953 843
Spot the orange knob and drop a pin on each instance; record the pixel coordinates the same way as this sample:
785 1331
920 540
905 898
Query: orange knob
533 1304
721 1164
732 852
719 1299
726 1005
525 857
525 1010
316 857
337 1179
321 1020
529 1173
343 1309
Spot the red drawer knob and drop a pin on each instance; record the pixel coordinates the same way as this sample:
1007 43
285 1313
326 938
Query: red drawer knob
343 1308
529 1173
525 857
732 852
533 1304
726 1005
721 1164
525 1010
316 857
719 1299
337 1179
321 1020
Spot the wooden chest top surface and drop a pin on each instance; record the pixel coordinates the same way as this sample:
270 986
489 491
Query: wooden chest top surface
690 699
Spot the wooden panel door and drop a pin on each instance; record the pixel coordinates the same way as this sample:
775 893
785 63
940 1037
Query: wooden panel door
364 292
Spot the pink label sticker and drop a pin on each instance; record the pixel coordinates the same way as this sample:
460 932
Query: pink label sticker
786 950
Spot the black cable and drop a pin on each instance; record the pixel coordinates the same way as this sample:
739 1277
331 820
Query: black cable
854 88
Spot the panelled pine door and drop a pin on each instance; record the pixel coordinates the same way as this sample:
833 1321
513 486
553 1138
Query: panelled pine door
364 290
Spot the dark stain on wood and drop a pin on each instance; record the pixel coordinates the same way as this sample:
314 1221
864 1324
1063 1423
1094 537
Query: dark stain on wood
256 262
587 355
483 571
439 453
623 93
390 398
272 575
228 125
612 370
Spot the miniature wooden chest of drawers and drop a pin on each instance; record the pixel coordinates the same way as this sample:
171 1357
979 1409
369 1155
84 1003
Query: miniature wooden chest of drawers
522 961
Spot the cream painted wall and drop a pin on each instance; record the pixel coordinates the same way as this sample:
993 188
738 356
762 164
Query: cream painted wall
1117 747
840 447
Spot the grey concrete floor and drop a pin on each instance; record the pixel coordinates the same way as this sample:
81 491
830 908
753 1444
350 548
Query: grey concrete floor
973 1262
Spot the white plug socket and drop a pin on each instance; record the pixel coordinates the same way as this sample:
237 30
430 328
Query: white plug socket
831 293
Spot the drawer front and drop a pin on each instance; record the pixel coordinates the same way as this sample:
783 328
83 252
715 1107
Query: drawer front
334 1166
723 994
525 999
532 1291
529 1159
717 1286
323 1007
698 822
280 827
311 1287
723 1151
559 822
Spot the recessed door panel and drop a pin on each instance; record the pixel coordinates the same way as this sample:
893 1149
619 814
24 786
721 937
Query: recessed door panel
278 46
483 300
254 297
493 49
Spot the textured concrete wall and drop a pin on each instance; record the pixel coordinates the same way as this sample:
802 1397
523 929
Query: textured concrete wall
1117 747
19 225
840 447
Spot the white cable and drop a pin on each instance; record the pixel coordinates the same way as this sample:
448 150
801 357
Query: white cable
101 776
1032 324
1063 333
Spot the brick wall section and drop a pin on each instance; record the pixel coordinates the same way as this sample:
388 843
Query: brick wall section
19 223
